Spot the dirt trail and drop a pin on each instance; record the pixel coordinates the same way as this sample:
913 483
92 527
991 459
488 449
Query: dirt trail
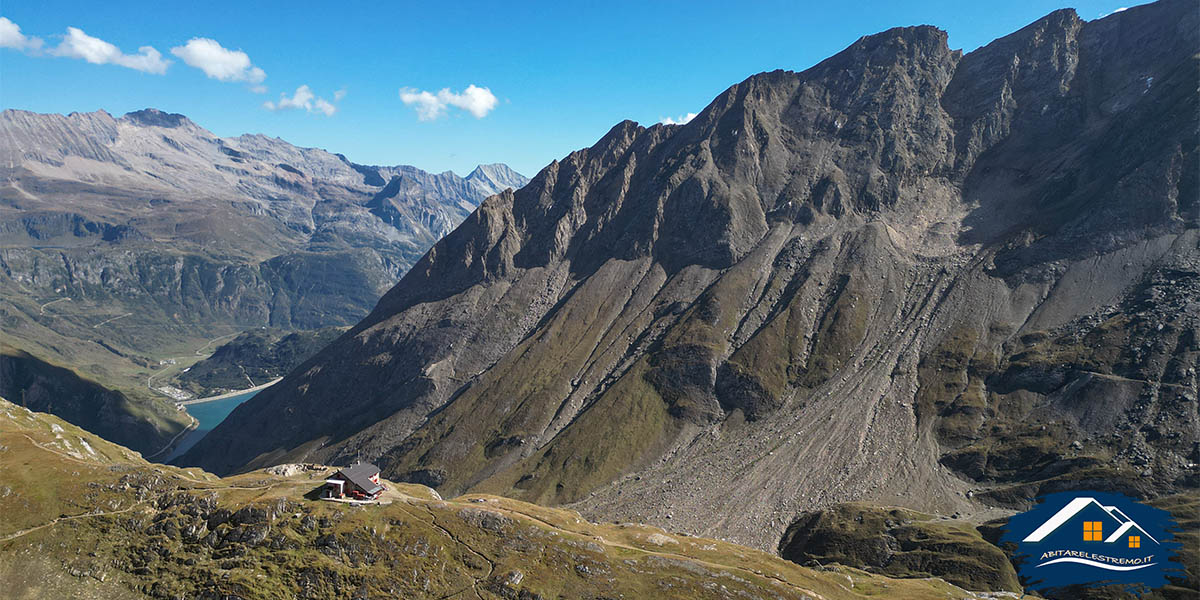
62 454
200 351
13 536
42 308
1128 380
472 550
106 321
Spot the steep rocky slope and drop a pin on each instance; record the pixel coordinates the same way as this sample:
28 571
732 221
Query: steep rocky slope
84 518
126 241
905 276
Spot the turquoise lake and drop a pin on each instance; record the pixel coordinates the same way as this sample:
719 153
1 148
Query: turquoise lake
209 415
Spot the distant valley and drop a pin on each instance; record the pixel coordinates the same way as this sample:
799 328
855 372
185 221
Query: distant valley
131 247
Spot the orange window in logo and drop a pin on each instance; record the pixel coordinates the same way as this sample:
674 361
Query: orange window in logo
1135 541
1093 531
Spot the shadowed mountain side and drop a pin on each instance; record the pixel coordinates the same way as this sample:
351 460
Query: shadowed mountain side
42 386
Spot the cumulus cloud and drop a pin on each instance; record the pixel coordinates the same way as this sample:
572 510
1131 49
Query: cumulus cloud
478 101
679 120
220 63
305 99
324 106
77 44
11 37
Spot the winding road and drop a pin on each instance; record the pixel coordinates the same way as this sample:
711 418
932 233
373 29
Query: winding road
42 308
191 426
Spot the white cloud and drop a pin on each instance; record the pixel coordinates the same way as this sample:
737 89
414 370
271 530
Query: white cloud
301 99
305 99
77 44
324 106
478 101
220 63
11 37
685 119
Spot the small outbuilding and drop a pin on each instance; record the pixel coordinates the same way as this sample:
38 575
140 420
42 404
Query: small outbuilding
359 481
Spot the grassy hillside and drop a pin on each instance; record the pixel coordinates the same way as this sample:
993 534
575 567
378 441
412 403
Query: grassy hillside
84 518
899 543
140 422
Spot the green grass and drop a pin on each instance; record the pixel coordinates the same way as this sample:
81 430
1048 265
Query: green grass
900 543
136 421
616 432
417 546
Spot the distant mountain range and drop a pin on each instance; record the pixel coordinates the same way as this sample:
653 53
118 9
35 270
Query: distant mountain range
127 242
906 276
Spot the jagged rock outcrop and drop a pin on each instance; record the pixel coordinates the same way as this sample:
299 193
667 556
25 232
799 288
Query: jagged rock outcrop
905 276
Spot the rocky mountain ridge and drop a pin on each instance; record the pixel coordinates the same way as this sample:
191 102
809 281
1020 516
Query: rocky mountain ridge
906 276
306 194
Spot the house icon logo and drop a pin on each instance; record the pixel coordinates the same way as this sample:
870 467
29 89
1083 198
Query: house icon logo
1092 539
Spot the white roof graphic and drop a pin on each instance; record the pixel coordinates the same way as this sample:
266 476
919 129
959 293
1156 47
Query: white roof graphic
1130 524
1072 508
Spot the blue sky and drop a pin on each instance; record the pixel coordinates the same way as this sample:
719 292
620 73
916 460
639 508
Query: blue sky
548 77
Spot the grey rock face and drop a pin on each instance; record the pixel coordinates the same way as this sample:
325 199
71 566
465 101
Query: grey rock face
899 276
496 178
